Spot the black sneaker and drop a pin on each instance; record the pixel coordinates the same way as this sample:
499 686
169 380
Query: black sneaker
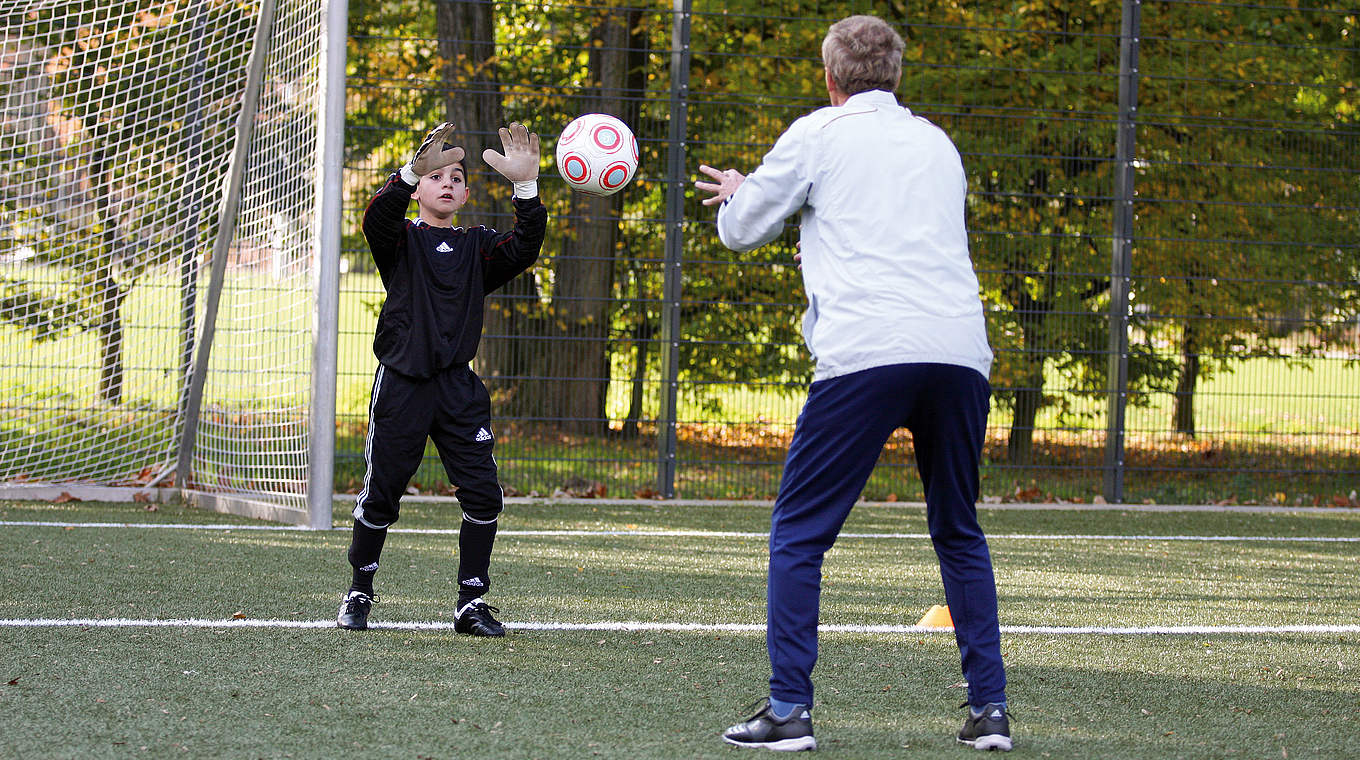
354 610
765 730
474 619
990 730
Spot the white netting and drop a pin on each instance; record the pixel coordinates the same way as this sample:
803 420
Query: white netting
254 423
117 121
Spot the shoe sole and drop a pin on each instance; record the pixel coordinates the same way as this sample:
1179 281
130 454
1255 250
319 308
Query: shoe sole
480 634
990 742
351 627
796 744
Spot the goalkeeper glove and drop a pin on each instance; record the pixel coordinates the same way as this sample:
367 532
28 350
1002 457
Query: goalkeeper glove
519 163
434 153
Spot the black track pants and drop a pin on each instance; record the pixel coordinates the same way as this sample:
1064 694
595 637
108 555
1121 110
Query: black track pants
451 408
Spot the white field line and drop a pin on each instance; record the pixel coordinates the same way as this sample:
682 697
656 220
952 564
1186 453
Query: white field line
1173 630
685 533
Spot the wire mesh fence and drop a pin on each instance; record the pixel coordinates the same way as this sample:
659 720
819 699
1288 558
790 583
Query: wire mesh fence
1241 315
641 358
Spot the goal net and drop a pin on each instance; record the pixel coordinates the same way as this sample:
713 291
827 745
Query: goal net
140 350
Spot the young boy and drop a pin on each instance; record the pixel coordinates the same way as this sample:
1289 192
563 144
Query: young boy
436 276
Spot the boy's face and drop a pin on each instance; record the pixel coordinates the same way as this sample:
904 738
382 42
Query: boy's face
441 193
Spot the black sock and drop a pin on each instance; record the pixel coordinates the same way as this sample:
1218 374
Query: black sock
364 548
474 558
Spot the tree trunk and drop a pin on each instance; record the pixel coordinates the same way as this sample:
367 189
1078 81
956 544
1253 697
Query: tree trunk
546 362
643 331
1033 313
584 272
1020 442
1183 416
467 44
105 291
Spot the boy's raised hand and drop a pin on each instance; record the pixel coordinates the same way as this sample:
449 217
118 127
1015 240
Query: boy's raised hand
435 152
520 161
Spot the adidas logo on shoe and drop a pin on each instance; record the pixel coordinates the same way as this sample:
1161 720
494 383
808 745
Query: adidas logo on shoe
989 729
483 435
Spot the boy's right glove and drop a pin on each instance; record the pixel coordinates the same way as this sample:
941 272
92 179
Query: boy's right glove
434 153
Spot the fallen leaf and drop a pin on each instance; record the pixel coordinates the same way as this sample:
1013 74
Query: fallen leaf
239 616
141 498
65 497
1028 494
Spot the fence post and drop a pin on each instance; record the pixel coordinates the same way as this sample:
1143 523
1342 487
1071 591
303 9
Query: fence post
675 241
1121 258
326 318
188 261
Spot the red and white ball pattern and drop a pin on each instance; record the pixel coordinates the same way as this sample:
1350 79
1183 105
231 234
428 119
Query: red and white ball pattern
597 154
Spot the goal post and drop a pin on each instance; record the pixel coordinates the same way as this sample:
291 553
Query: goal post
142 142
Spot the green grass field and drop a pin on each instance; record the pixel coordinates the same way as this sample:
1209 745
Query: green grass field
266 676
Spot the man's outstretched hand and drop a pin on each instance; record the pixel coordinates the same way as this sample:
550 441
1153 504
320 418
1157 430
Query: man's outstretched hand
728 182
519 163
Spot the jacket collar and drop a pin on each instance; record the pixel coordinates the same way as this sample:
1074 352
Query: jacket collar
872 98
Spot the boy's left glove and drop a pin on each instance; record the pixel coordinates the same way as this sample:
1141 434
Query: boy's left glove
434 153
519 164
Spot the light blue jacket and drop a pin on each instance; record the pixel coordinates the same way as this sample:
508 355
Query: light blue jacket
884 243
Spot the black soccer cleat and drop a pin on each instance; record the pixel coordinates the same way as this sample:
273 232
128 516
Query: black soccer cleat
989 730
474 619
763 729
354 609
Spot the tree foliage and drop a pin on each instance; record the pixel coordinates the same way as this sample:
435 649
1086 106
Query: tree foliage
1246 182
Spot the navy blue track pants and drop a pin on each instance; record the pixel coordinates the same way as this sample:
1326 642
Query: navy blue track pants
838 439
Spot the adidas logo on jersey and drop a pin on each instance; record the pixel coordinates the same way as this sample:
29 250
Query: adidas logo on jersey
483 435
444 247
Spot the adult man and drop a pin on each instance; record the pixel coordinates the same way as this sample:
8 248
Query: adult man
895 325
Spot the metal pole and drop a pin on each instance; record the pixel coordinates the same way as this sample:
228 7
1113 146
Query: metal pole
1121 258
675 245
188 265
226 230
326 320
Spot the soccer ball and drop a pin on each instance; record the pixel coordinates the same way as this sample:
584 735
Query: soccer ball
597 154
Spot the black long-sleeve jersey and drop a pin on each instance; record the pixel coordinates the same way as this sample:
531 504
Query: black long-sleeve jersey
437 278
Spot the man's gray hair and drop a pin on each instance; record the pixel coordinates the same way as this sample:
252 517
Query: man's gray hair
863 53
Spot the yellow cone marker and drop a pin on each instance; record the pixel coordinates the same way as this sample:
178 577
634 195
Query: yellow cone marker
937 617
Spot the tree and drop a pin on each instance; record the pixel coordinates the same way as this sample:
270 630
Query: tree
1253 174
555 324
99 125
